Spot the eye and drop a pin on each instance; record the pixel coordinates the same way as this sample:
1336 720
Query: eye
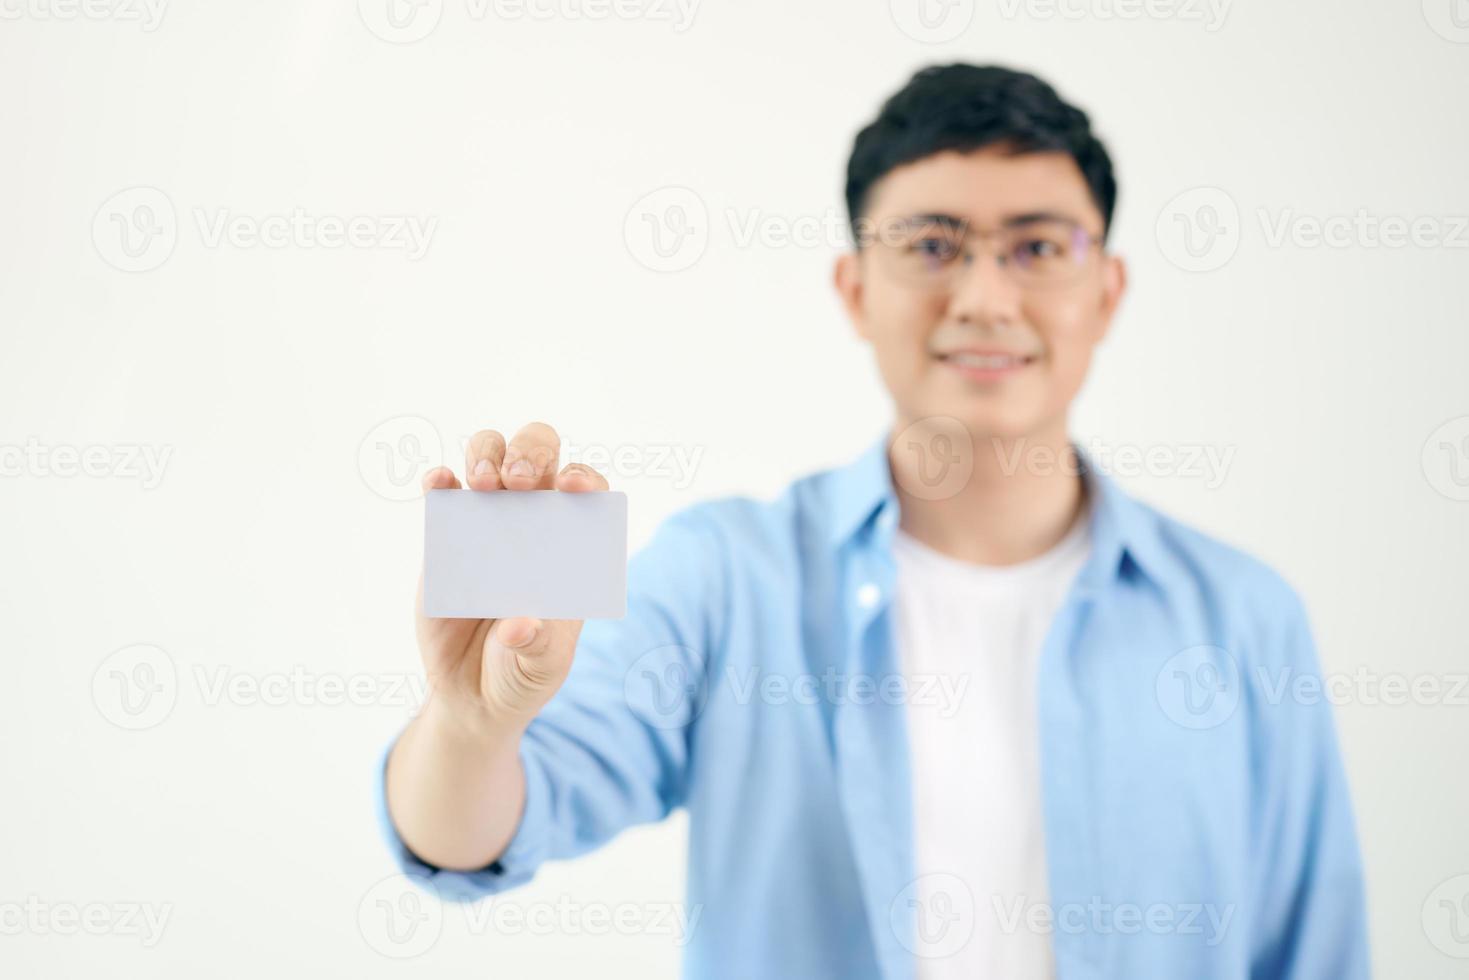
941 249
1037 248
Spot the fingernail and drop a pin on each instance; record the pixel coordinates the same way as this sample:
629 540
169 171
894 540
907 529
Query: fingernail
482 467
522 467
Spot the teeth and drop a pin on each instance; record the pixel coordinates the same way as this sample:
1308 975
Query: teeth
992 362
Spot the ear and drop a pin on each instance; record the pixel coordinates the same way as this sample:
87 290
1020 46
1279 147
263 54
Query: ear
847 278
1114 284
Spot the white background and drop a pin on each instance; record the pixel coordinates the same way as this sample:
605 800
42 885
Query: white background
270 546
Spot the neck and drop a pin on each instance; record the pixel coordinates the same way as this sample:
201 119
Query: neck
1019 501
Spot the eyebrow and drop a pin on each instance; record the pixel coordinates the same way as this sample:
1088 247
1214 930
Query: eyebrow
1013 221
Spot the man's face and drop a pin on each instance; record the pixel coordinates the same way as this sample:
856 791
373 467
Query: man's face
990 341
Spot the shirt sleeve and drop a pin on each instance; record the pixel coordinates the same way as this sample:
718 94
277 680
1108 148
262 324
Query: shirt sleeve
610 749
1310 906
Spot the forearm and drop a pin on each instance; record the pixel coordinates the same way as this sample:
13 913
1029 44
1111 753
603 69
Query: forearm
455 794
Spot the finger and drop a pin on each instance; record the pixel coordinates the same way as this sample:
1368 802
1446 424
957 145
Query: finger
531 458
482 459
534 648
440 478
579 478
521 633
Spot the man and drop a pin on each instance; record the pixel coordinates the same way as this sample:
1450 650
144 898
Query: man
959 709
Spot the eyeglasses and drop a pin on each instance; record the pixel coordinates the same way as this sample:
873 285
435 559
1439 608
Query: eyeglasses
933 252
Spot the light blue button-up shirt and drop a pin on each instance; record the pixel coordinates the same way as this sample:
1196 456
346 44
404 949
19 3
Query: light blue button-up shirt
1197 818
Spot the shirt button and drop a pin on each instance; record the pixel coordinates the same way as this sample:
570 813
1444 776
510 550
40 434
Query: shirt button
868 595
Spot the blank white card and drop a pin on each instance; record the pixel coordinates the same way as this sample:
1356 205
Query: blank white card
544 553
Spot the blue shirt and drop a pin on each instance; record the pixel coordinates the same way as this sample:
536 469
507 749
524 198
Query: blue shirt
1197 822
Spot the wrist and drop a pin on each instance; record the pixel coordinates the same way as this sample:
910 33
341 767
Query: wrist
470 725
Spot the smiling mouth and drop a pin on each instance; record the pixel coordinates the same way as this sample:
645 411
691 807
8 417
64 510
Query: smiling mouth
987 365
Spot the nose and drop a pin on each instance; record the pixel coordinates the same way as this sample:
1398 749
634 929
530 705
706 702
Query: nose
983 293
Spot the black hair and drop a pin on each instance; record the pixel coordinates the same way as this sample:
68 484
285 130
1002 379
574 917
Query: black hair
969 107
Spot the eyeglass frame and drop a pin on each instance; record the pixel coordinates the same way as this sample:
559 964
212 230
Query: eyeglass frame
1083 240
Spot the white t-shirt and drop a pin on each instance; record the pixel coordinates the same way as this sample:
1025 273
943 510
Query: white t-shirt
976 632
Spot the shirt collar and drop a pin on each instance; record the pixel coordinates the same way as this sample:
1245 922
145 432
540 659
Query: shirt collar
1123 530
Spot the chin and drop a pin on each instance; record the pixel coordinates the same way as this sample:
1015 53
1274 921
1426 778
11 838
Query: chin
1003 429
1007 418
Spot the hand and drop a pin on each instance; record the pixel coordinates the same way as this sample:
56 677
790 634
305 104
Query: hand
494 675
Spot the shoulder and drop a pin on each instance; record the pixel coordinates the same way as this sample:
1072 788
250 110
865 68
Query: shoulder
1243 597
735 529
805 512
1228 568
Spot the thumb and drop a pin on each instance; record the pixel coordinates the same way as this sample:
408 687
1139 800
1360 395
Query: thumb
526 659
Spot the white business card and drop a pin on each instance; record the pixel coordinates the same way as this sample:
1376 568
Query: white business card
544 553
